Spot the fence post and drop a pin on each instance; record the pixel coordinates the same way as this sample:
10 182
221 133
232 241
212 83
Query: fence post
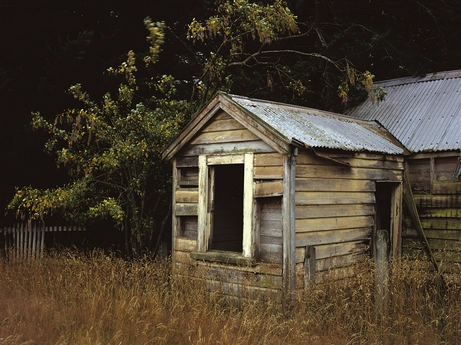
381 273
309 266
3 241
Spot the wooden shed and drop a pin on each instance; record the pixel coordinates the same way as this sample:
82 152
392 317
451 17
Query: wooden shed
267 196
424 114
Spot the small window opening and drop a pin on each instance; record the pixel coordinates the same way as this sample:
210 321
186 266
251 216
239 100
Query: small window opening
227 231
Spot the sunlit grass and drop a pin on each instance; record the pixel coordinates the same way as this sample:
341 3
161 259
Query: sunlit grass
72 298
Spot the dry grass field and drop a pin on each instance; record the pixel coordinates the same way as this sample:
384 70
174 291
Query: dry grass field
72 298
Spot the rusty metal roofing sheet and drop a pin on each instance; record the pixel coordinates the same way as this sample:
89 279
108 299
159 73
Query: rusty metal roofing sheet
321 129
423 113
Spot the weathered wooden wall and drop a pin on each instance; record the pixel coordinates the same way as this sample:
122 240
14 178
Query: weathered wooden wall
224 134
335 208
437 195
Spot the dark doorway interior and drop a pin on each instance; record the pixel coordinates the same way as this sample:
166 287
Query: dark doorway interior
383 205
227 231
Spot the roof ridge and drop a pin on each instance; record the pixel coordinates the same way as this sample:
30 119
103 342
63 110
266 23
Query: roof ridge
301 108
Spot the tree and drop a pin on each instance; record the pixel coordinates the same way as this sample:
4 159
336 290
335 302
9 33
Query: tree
111 150
262 50
111 147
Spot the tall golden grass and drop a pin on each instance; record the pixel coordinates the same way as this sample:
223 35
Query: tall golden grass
74 298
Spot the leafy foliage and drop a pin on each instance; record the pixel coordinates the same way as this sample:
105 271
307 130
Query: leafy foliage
308 52
258 49
111 150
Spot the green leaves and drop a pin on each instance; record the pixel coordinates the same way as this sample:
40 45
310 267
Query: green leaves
239 31
242 17
112 149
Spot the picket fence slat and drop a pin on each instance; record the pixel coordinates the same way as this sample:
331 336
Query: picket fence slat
27 240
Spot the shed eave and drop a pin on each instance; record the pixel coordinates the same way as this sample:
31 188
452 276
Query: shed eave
191 129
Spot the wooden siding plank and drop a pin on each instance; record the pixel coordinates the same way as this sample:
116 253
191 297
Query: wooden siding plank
268 189
338 261
434 234
344 172
244 290
358 160
441 223
185 244
438 212
437 201
320 184
375 164
330 269
259 268
238 135
322 224
225 159
219 148
446 187
186 209
186 196
271 253
333 198
268 172
271 228
268 159
379 156
310 158
187 162
435 244
236 276
340 249
335 249
325 211
225 124
272 240
315 238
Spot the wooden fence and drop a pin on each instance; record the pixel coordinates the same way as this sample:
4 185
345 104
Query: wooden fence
27 240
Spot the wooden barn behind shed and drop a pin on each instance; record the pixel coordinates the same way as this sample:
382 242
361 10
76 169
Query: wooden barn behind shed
424 114
267 196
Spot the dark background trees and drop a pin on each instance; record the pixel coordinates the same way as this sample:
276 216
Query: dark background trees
49 45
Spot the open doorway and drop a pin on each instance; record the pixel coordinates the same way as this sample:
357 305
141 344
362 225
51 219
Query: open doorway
388 212
227 182
383 205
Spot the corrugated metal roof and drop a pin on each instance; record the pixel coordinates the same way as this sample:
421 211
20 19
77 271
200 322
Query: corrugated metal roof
423 113
321 129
